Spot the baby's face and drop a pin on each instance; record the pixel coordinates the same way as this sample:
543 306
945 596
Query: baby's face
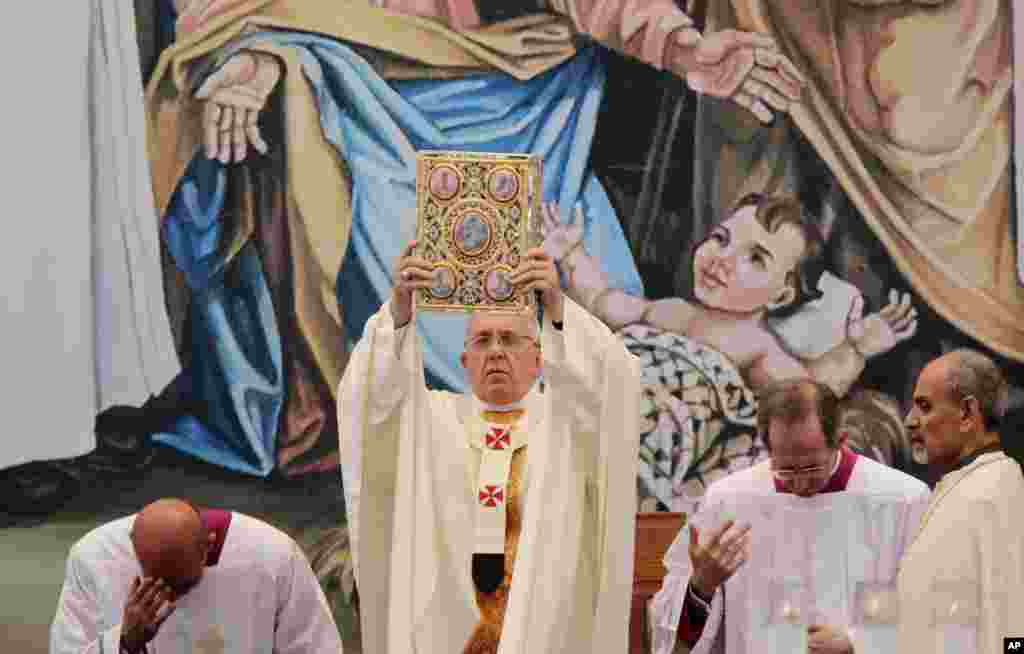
742 267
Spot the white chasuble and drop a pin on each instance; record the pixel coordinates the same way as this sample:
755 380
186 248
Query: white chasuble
413 496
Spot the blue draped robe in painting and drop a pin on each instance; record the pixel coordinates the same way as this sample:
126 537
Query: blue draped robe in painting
377 126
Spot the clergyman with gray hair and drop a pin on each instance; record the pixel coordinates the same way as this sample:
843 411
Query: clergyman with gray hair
814 500
962 579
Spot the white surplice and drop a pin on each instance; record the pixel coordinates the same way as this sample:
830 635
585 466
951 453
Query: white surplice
84 320
411 499
961 582
826 543
261 596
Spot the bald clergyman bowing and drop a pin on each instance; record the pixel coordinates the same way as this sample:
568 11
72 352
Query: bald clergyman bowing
175 579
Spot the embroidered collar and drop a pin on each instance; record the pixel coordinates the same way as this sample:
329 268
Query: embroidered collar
485 433
216 521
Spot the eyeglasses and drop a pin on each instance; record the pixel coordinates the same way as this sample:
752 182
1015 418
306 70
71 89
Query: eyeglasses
804 473
790 474
506 341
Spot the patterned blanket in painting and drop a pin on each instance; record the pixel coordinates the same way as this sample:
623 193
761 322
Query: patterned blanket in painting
699 418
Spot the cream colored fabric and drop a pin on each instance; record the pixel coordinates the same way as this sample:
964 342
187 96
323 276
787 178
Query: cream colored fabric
414 510
969 551
84 321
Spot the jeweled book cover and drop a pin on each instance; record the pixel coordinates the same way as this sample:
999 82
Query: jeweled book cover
477 215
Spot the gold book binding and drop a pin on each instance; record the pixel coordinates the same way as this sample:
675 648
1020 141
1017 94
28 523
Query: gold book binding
477 214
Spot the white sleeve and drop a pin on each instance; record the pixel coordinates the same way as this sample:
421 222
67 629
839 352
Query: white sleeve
77 627
667 604
391 369
305 624
593 391
389 353
576 364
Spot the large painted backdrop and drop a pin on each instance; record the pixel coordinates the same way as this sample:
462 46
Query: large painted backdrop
886 197
903 168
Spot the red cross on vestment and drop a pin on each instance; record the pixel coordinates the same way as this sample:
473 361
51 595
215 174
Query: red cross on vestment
491 496
498 439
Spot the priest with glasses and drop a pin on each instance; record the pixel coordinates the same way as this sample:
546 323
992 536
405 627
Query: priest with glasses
798 553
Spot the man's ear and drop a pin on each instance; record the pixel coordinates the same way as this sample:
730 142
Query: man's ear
970 410
462 359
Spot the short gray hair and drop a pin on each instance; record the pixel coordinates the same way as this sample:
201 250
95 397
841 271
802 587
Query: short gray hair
793 400
973 374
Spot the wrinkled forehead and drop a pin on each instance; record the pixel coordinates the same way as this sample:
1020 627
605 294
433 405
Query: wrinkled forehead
497 323
931 384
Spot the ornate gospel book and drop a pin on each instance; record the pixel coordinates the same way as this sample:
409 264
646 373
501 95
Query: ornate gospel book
477 215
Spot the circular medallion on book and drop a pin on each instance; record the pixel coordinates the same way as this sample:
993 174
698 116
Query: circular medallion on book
444 281
503 184
444 182
498 283
472 233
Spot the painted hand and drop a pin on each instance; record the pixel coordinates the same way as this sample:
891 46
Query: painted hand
824 639
411 273
744 67
234 97
560 238
537 273
719 559
882 331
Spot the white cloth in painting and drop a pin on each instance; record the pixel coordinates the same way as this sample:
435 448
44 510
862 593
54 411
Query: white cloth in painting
261 596
961 582
410 480
84 320
827 543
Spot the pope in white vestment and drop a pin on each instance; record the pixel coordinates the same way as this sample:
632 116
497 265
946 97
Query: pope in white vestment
426 479
811 556
84 321
256 594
